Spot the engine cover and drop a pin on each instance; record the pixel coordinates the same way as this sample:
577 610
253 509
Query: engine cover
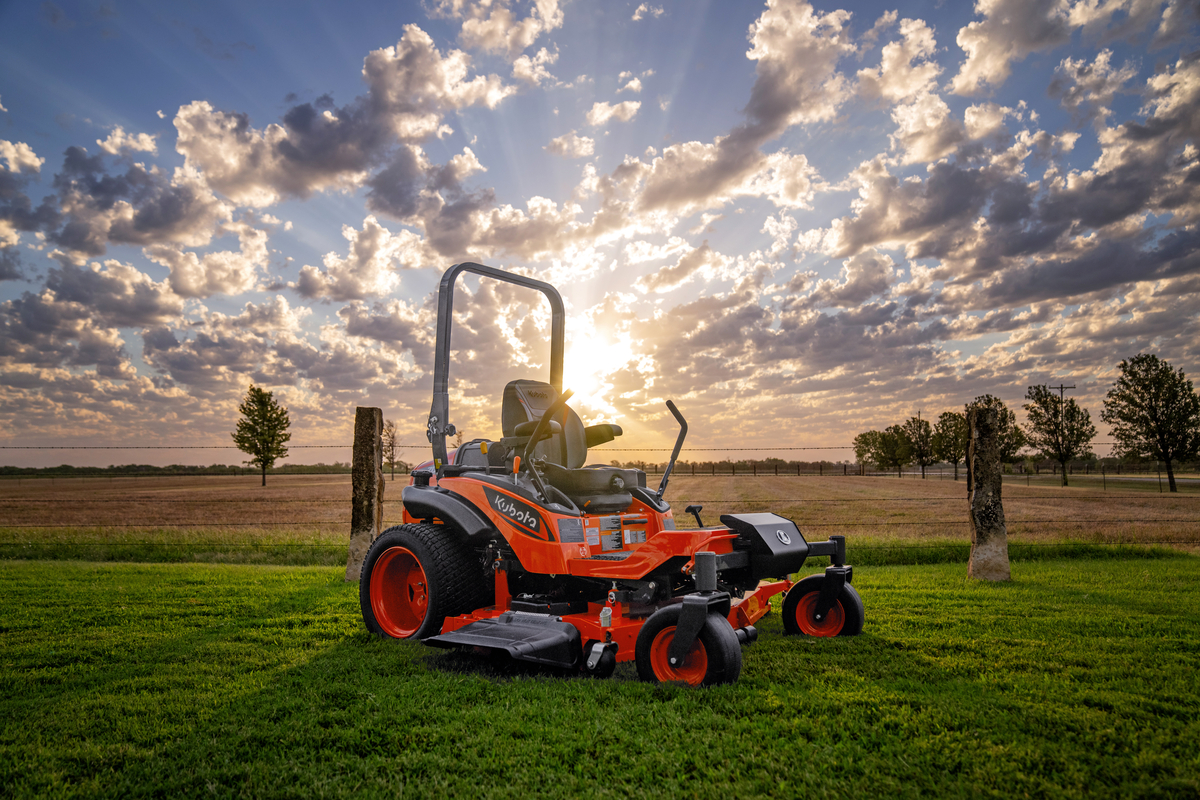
777 548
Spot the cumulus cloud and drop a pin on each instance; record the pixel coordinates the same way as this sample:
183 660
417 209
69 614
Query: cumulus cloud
646 10
533 70
906 68
1087 90
862 277
1013 29
702 260
493 25
569 145
220 272
634 85
925 129
140 206
411 86
601 113
118 141
20 157
369 269
73 321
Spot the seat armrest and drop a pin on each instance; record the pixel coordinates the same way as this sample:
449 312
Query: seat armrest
599 434
526 428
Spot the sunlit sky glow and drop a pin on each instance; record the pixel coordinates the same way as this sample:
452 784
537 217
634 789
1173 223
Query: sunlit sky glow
797 221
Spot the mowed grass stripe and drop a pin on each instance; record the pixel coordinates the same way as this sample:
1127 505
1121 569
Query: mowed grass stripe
1078 679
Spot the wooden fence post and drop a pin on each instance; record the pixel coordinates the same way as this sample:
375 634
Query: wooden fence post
366 511
989 536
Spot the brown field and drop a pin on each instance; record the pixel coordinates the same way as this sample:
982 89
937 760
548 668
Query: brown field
234 518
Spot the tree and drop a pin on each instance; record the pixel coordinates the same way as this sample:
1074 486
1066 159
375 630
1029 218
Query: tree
1154 412
390 447
895 449
888 448
866 444
950 439
920 437
1059 429
1011 438
262 430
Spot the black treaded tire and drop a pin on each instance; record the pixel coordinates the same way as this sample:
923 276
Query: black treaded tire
414 576
849 604
715 658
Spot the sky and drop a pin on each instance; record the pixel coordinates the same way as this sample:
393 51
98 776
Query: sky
798 221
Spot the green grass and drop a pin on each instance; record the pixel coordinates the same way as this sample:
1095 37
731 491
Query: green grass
1078 679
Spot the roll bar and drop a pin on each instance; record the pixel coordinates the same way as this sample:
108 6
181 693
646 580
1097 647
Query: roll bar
439 427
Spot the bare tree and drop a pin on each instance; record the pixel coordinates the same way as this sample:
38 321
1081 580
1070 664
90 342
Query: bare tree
1058 428
1154 413
390 447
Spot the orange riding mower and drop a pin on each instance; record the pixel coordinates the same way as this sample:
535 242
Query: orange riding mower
516 547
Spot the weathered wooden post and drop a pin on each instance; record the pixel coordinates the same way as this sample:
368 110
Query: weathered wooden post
366 511
989 536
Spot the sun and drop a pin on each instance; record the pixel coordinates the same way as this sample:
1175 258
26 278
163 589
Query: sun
590 361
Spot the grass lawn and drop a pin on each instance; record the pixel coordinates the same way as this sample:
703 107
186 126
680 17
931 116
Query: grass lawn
1078 679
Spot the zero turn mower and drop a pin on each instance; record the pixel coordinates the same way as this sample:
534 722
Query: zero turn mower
516 546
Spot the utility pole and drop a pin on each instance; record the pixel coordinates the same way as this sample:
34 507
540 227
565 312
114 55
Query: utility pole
1062 433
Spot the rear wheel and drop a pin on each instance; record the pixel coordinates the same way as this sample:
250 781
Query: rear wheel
715 656
800 606
413 577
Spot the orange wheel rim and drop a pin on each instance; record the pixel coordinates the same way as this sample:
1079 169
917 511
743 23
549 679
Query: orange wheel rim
693 668
806 612
399 592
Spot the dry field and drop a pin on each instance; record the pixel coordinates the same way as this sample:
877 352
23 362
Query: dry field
305 518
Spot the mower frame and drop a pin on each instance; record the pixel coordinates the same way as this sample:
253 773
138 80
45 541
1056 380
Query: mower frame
493 555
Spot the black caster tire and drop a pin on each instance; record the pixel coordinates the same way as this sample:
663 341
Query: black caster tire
844 619
715 657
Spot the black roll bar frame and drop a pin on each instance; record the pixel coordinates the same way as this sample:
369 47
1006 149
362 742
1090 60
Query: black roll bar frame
439 427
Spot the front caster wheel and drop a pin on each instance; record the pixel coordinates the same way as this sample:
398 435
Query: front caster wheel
715 657
800 606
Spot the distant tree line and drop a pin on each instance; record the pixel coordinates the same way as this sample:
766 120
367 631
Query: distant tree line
1152 409
66 470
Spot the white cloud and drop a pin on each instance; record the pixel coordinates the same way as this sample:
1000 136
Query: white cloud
20 157
492 26
533 70
634 85
119 141
1087 90
603 112
647 10
925 129
570 145
411 87
898 78
1012 29
219 272
369 269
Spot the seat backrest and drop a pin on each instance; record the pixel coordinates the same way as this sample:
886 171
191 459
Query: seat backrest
528 400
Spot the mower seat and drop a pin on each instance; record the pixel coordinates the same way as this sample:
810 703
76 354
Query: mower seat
594 489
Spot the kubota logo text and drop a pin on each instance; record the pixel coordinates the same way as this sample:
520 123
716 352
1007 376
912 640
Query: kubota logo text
510 509
525 517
